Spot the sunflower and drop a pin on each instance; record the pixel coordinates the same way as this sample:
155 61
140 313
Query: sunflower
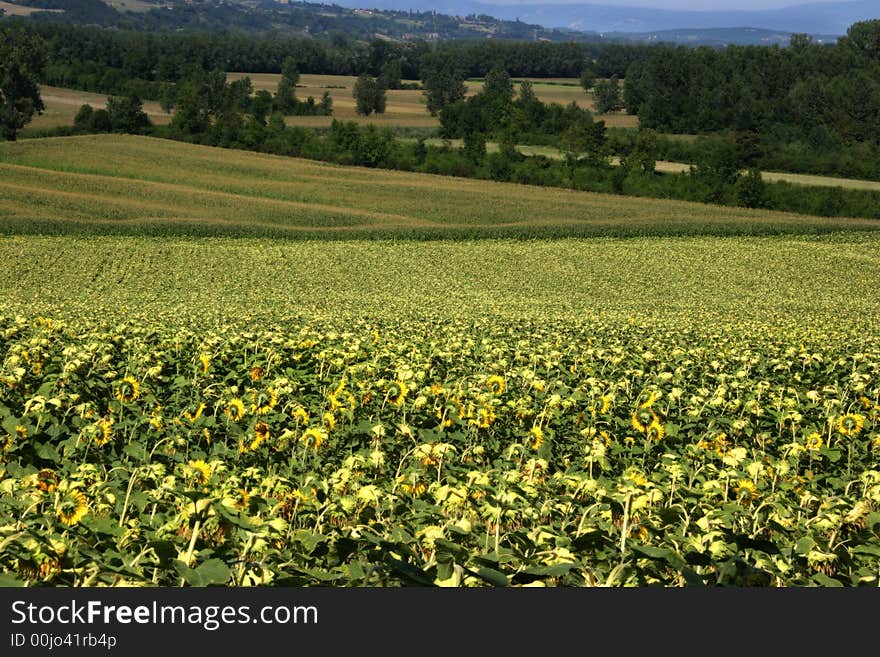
400 392
636 476
201 470
649 402
313 438
104 427
850 424
47 480
485 417
261 435
537 434
192 417
655 431
257 373
300 415
606 404
814 442
496 384
206 362
411 485
644 418
269 405
72 508
235 409
330 420
746 489
128 390
244 499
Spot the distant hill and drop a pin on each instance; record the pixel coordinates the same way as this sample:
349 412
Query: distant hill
408 20
720 36
825 18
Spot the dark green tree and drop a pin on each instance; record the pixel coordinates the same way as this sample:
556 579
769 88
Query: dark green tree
390 74
22 60
751 190
608 97
588 78
443 79
285 96
643 157
127 114
369 96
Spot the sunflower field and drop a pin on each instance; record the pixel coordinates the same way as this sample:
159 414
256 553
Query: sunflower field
549 413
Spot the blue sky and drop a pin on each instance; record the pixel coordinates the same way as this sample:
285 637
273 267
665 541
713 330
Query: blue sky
701 5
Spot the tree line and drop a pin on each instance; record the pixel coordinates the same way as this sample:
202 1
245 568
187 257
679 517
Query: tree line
805 107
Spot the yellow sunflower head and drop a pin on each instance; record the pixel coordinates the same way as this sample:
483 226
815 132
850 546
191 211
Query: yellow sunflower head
201 471
655 431
192 417
536 435
235 409
313 438
644 418
850 424
814 442
397 392
300 415
104 428
128 390
746 489
496 384
72 507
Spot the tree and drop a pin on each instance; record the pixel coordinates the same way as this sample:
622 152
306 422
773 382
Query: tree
474 147
369 96
643 157
390 74
751 190
608 97
497 84
443 79
864 37
285 97
588 79
22 60
126 114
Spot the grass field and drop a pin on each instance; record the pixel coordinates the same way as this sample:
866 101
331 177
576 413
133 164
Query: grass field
114 183
18 10
406 108
622 410
63 104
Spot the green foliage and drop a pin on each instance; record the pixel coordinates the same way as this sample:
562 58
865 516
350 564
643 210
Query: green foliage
127 115
22 58
369 95
608 96
443 79
587 79
348 425
751 190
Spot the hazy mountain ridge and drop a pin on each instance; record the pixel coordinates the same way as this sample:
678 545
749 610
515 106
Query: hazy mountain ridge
825 18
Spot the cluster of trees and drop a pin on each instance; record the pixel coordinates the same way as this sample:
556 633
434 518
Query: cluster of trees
499 113
807 97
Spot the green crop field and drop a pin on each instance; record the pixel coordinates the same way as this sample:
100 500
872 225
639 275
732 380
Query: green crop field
125 184
688 396
61 106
